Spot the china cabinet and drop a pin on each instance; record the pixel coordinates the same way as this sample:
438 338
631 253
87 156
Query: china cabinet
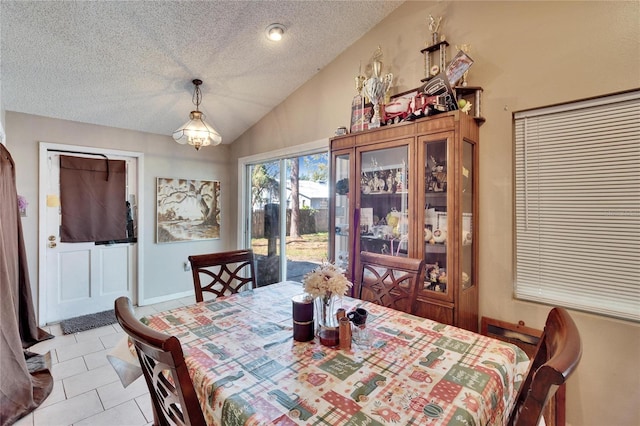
410 189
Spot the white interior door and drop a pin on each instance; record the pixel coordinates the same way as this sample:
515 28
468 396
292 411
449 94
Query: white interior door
83 278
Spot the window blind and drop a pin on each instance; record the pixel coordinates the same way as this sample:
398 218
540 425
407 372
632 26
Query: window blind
577 205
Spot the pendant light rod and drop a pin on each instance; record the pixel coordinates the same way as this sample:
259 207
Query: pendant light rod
197 93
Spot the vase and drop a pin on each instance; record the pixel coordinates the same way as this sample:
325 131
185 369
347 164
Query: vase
326 321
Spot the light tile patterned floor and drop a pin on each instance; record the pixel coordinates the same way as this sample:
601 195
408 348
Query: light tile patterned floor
86 389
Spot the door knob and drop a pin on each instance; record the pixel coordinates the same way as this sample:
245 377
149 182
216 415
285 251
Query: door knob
52 241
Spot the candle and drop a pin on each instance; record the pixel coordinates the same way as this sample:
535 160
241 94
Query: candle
303 325
302 308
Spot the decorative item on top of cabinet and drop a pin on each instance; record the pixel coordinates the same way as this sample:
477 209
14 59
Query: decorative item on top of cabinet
413 193
456 72
436 44
377 86
458 67
472 95
466 48
341 131
361 111
434 25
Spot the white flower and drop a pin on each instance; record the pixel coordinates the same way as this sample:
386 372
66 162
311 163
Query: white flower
325 280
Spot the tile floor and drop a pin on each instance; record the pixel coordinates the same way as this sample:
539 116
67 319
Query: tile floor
86 389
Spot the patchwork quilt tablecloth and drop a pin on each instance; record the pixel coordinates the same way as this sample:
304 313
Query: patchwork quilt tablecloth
248 370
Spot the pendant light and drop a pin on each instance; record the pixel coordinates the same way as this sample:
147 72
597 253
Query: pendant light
195 131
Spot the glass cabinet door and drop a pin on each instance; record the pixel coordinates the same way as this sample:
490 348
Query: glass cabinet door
384 201
341 203
436 231
467 278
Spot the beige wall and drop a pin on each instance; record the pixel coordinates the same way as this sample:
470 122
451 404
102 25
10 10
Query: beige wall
528 54
164 275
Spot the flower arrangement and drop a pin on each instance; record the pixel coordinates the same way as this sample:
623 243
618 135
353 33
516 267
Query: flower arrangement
22 204
325 281
325 284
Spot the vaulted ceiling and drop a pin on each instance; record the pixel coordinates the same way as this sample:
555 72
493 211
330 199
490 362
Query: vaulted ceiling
129 64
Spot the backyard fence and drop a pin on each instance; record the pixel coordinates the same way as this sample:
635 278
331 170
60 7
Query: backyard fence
311 221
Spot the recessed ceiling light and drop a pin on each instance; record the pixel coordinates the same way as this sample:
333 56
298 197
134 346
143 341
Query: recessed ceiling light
275 32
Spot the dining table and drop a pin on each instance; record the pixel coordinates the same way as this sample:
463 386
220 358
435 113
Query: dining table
248 370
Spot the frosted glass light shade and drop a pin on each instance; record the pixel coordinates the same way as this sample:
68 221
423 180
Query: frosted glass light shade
196 132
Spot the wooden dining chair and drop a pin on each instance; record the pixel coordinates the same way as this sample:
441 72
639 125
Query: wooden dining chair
227 272
557 356
174 401
390 281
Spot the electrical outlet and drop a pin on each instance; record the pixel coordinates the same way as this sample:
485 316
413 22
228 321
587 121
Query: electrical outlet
187 266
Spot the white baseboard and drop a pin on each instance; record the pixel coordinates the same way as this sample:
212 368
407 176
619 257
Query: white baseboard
168 297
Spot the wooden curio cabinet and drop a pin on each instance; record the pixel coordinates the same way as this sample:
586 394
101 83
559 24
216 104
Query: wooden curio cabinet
411 190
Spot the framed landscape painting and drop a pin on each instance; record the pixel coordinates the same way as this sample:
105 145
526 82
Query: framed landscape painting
187 210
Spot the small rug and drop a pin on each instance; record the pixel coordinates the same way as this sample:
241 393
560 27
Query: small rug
87 322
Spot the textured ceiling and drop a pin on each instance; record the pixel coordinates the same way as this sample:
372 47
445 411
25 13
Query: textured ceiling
130 64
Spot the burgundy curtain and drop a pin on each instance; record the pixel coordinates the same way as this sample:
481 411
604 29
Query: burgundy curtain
92 199
26 380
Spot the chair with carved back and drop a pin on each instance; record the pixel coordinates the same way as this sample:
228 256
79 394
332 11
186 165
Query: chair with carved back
390 281
557 356
174 401
226 272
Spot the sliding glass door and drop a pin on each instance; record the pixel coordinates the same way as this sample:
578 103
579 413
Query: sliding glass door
264 223
287 216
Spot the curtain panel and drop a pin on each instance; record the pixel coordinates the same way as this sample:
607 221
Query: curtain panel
26 380
92 199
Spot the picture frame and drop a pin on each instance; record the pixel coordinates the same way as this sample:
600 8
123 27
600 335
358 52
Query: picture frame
441 221
366 219
467 228
458 66
467 222
187 210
